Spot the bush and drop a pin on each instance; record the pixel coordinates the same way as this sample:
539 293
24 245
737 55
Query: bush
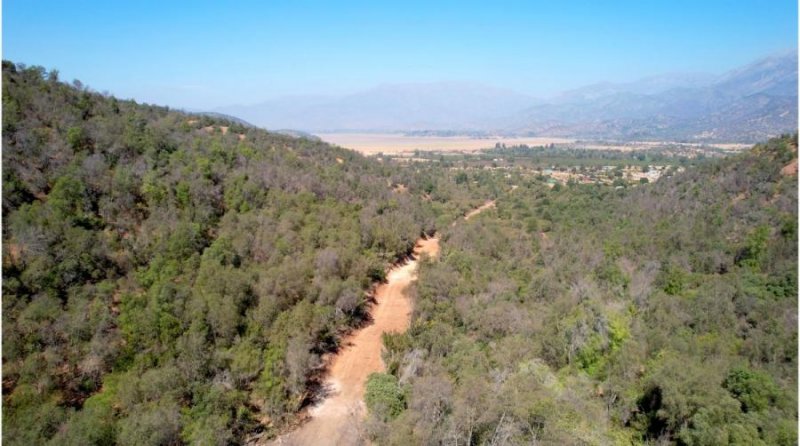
384 397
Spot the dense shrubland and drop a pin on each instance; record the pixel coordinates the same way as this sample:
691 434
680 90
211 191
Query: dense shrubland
589 315
172 278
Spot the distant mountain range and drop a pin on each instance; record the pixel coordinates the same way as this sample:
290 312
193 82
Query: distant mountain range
404 107
747 104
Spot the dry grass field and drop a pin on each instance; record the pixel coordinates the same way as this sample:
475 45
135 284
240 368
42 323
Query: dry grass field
399 144
395 144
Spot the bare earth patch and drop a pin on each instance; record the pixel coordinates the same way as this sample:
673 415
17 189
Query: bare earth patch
14 253
790 169
224 129
336 420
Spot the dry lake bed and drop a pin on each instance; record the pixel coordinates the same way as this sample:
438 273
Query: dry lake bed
395 143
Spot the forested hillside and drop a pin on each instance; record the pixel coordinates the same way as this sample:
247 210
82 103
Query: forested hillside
170 278
175 279
663 314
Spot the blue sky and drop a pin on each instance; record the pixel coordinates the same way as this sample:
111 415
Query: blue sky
203 54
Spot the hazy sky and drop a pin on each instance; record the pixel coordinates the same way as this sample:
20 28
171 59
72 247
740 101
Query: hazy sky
203 54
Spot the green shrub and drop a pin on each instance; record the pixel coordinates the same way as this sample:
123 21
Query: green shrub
384 397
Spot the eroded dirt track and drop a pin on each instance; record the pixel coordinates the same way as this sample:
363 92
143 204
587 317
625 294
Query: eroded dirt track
336 420
488 205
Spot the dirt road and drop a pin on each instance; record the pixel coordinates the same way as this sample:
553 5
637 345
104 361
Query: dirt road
337 419
488 205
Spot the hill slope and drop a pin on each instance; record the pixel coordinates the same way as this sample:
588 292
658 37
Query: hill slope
170 278
175 279
665 314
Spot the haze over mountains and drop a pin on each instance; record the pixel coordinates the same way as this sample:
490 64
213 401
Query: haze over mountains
746 104
400 107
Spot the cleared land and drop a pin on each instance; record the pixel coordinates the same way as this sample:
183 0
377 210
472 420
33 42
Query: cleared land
394 144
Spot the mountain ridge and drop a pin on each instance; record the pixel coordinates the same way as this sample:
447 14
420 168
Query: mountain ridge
753 102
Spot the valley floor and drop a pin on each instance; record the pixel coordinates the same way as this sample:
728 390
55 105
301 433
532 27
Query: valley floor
396 144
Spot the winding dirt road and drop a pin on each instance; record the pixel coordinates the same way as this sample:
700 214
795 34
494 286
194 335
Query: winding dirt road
336 420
